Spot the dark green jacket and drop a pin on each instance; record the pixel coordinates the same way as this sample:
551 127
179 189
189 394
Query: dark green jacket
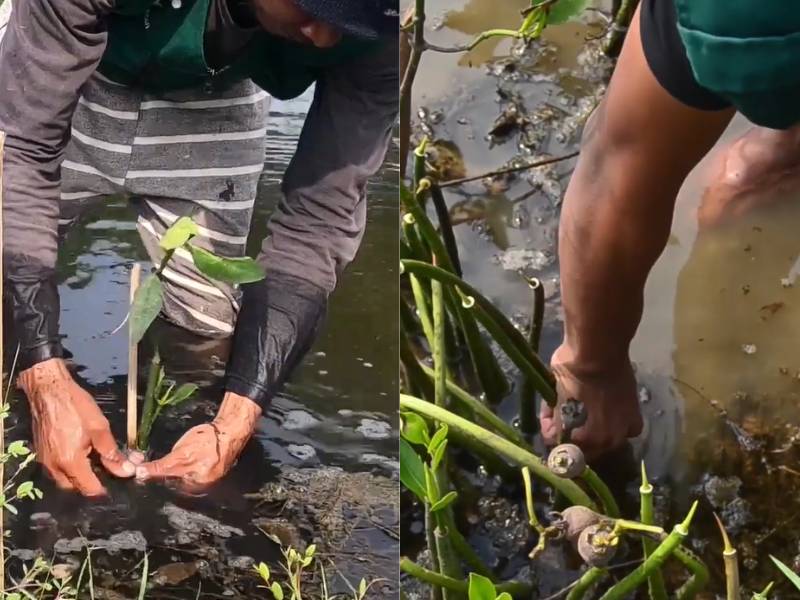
158 47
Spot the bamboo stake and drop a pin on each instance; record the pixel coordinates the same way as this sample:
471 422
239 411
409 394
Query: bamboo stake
7 383
133 365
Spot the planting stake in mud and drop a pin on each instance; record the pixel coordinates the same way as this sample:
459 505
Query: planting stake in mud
498 445
636 577
133 366
655 582
527 405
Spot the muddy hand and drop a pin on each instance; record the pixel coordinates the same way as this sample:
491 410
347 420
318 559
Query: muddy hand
207 452
67 426
610 409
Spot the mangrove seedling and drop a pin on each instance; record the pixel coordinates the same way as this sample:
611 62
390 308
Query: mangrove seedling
157 398
148 301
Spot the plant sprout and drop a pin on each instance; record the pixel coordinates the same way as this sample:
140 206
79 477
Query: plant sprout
148 302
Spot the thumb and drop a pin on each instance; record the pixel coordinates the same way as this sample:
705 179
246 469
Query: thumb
112 458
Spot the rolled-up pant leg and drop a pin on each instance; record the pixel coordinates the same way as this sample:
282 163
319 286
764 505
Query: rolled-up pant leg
189 153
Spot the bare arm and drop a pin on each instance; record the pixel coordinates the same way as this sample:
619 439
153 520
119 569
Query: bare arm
637 150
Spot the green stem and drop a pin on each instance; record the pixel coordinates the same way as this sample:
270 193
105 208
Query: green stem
490 375
597 485
619 27
439 350
518 589
430 538
490 317
587 580
166 258
446 227
499 445
421 302
481 411
412 205
449 564
528 422
462 547
654 562
150 406
413 240
697 568
655 582
414 369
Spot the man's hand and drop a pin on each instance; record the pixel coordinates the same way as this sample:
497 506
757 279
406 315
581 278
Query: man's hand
609 399
207 452
67 426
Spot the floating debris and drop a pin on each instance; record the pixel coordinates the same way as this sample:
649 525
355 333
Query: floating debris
301 451
749 348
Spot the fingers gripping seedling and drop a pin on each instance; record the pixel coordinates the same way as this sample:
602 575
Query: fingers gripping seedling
148 302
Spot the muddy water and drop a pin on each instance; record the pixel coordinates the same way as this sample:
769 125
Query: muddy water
715 354
330 432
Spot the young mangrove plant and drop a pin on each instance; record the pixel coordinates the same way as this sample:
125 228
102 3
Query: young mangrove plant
148 302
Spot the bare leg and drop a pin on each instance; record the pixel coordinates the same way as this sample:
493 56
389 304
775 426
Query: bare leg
760 168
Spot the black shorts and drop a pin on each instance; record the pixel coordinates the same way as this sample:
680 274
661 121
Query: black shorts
666 56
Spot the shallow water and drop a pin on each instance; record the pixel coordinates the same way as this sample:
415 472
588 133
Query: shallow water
337 414
714 409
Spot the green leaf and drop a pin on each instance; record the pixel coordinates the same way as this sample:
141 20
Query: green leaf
444 502
11 508
311 550
437 439
436 460
415 429
146 305
791 575
481 588
412 471
17 449
362 588
25 489
181 394
564 10
277 592
229 270
179 233
263 570
504 596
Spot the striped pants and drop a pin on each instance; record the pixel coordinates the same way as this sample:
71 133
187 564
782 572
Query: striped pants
191 153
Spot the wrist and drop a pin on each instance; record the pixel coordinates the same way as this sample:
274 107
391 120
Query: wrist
588 365
45 373
237 413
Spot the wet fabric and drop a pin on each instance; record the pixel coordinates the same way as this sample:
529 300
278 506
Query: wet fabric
192 153
748 53
666 57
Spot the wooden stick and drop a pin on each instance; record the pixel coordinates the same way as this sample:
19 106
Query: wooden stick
133 366
7 383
